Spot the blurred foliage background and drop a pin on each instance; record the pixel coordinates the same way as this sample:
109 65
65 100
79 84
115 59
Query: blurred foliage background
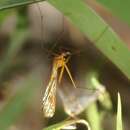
28 36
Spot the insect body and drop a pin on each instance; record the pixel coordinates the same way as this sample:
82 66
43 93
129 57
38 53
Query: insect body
49 99
74 103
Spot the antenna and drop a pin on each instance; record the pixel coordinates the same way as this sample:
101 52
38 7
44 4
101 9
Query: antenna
58 38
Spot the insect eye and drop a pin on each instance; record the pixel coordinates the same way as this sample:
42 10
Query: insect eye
68 53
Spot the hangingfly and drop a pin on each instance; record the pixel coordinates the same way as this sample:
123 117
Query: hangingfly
74 103
49 99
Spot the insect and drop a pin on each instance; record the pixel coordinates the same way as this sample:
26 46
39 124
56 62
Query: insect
49 99
75 100
74 103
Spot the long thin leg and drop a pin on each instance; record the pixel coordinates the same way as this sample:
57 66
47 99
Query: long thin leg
61 73
67 59
67 69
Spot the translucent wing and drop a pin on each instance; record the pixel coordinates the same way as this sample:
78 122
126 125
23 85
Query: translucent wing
49 99
75 100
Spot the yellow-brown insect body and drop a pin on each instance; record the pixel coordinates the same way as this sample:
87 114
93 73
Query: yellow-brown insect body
74 103
59 61
49 99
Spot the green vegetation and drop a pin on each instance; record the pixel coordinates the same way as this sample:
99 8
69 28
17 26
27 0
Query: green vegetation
105 40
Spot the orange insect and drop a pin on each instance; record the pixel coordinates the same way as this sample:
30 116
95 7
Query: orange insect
49 99
74 103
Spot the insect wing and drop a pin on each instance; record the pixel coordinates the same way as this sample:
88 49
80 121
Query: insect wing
49 99
77 99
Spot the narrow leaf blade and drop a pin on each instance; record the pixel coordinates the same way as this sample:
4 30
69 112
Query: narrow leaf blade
119 114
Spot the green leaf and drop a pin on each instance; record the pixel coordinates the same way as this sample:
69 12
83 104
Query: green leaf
119 114
16 106
120 8
97 31
14 3
92 113
94 117
63 124
88 22
92 80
